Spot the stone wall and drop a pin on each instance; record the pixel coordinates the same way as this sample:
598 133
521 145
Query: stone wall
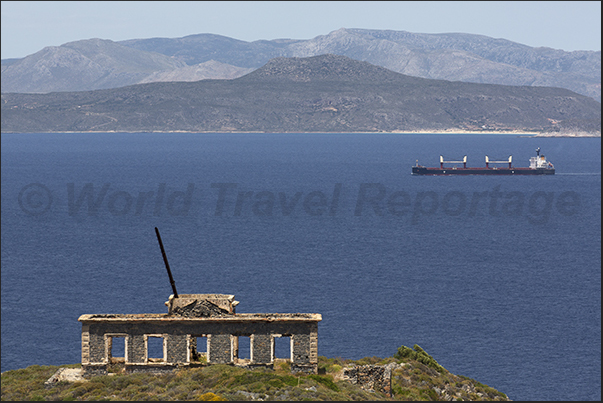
371 377
179 339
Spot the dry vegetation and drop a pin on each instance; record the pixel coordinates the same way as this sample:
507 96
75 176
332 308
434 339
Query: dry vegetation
414 380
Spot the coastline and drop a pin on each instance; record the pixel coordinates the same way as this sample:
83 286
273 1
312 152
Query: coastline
576 134
522 133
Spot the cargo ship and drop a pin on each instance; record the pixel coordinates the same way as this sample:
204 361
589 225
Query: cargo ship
538 166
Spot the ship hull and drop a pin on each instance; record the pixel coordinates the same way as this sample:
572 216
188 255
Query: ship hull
481 171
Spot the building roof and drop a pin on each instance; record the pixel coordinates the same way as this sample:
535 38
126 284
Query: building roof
238 317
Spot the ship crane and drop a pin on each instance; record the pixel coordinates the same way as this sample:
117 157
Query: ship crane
464 162
489 161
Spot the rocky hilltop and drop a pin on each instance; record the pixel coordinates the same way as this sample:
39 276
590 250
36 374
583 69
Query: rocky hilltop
402 377
327 93
98 64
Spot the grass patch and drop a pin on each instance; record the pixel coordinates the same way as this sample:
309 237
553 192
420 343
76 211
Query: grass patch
326 381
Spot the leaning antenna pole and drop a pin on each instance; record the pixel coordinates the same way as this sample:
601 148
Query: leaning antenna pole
167 265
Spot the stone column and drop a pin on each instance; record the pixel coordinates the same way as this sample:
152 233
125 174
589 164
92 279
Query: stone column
177 349
85 344
262 349
220 349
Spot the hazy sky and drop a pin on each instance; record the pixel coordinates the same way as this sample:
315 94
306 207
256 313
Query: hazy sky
29 26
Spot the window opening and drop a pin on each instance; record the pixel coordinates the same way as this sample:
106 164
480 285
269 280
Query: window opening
244 348
116 348
198 349
282 347
155 349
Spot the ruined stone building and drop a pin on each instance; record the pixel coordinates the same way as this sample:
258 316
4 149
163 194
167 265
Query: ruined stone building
199 329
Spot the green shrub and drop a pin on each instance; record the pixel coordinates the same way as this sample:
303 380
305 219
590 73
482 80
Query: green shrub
290 380
401 391
419 355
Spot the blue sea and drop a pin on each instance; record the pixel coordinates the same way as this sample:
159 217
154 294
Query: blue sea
498 278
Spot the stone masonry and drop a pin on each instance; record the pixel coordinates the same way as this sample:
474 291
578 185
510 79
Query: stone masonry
192 317
370 377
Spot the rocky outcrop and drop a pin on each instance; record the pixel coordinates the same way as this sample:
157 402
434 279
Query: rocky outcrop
65 375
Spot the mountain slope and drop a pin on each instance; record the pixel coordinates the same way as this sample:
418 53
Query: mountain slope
83 65
327 93
463 57
449 56
202 71
200 48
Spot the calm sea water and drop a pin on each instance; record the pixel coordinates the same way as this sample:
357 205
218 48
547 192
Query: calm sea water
498 278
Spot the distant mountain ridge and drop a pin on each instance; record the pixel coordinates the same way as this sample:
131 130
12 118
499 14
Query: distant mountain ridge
88 64
448 56
326 93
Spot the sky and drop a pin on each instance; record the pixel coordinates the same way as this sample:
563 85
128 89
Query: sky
29 26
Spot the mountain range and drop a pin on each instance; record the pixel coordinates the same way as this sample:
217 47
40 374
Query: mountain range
103 64
326 93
